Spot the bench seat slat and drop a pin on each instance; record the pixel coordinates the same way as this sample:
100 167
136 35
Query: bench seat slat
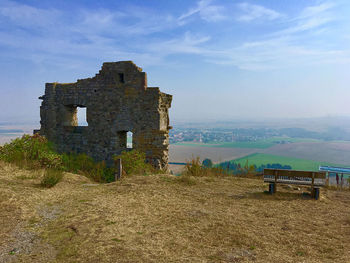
294 173
297 182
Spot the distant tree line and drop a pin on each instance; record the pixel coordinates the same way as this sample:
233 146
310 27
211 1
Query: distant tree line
237 168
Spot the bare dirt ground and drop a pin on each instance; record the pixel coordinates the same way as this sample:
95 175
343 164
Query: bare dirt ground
164 218
181 153
333 152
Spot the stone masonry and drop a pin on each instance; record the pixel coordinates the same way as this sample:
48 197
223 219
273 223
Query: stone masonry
117 100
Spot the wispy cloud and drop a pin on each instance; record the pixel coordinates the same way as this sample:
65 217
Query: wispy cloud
54 36
97 33
276 53
28 16
206 11
316 9
253 12
41 35
186 44
310 18
291 46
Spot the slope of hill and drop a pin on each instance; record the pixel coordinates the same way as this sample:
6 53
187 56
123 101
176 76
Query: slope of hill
164 218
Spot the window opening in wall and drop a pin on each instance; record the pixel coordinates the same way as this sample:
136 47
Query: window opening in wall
69 117
121 77
81 114
129 140
122 138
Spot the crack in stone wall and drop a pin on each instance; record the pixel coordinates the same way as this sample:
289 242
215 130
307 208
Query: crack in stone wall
117 100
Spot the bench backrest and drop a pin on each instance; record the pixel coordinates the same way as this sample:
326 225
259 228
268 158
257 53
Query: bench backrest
295 173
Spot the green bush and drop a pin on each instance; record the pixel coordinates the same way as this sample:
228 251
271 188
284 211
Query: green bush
84 164
51 178
35 152
207 163
194 168
31 152
101 173
134 162
77 162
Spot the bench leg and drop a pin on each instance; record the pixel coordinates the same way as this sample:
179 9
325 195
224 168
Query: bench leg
315 193
272 188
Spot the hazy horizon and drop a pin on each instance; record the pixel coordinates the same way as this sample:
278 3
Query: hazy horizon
311 123
221 60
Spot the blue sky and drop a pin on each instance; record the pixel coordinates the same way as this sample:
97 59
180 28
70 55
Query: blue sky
221 59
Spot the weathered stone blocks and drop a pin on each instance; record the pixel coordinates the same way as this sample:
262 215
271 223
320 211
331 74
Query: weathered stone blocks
117 100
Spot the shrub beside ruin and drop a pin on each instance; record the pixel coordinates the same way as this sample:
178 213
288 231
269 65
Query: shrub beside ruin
195 168
51 178
85 165
35 152
133 162
31 152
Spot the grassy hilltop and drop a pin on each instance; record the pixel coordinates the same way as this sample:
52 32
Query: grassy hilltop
208 217
163 218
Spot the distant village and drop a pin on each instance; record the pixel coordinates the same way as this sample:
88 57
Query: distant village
223 135
280 136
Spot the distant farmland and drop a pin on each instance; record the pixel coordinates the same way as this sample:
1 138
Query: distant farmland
253 145
182 153
296 163
333 152
260 144
300 153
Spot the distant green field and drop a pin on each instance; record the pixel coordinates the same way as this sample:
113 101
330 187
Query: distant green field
296 163
288 139
262 144
258 144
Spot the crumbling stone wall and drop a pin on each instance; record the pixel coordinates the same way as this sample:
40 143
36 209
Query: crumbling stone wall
117 100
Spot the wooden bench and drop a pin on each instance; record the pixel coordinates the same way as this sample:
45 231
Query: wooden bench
280 176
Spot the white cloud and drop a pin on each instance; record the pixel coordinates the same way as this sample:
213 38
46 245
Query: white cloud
317 9
292 46
206 11
310 18
42 35
113 35
27 16
253 12
277 53
187 44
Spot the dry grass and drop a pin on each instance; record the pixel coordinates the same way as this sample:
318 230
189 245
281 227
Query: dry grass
167 219
51 178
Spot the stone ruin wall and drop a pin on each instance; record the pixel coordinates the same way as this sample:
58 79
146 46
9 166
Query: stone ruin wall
117 100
